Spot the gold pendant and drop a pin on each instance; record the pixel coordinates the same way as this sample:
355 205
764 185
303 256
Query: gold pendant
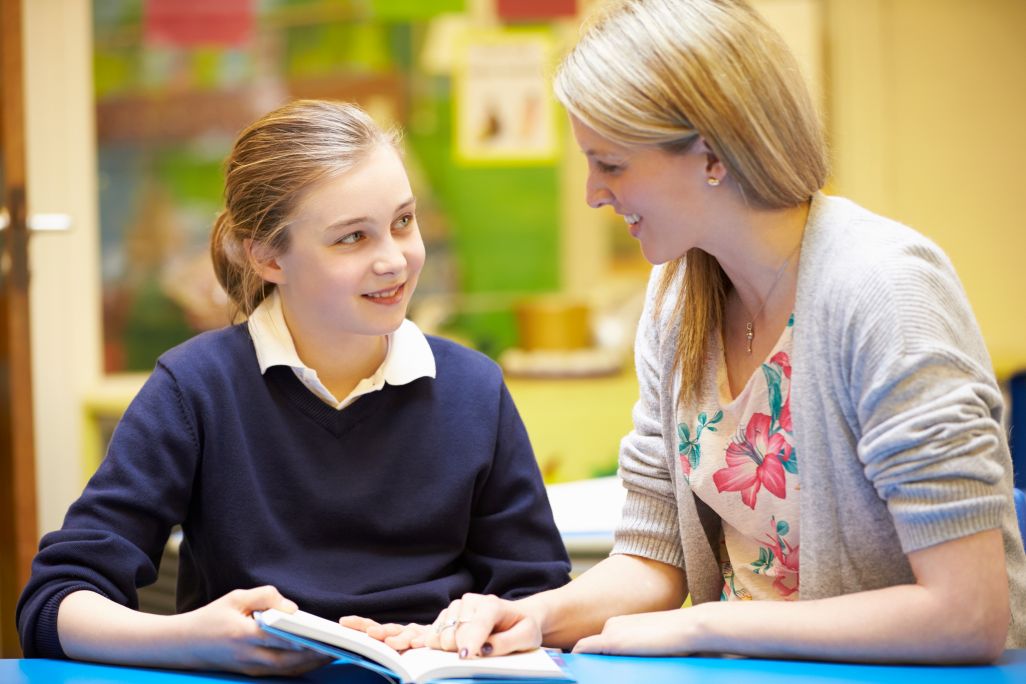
750 334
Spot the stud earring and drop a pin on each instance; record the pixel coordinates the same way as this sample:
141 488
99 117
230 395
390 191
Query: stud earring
713 181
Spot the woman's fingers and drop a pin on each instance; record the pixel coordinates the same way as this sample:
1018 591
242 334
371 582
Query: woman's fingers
522 636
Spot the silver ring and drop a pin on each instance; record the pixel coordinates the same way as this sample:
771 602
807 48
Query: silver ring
452 622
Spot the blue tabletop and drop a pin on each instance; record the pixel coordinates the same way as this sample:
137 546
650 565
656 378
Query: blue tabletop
588 669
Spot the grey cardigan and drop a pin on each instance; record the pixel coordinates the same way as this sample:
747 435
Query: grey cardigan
896 419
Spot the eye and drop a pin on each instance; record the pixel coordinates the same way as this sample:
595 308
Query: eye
351 238
403 222
608 168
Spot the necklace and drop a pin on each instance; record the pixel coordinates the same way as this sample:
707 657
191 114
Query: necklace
750 325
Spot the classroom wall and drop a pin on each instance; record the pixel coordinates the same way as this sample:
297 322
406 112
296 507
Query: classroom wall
925 101
926 104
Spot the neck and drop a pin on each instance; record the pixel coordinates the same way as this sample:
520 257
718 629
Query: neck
342 361
761 257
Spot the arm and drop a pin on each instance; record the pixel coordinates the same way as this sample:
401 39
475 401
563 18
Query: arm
218 636
558 617
960 600
513 548
80 600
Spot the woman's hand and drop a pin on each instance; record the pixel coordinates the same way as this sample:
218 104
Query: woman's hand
221 635
664 633
399 637
479 625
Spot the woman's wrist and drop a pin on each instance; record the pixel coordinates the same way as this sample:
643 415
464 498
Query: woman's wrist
538 608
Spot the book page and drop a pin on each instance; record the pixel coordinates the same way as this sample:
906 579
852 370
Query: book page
317 628
425 664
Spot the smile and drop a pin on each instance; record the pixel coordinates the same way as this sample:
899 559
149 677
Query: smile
387 296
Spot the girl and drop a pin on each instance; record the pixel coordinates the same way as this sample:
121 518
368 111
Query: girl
324 450
817 457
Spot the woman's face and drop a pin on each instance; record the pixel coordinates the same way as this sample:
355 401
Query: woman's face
354 254
662 196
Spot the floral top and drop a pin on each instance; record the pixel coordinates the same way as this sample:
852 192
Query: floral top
738 457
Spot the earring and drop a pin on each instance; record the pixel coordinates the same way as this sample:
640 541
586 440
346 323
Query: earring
713 181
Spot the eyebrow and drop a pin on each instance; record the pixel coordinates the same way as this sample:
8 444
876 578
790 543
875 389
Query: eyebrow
356 220
591 154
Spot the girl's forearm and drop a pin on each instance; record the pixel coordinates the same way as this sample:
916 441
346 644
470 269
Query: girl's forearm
95 628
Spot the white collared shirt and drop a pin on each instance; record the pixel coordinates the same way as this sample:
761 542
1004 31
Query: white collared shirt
408 357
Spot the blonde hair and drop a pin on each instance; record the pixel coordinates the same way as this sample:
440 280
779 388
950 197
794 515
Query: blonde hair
272 163
663 73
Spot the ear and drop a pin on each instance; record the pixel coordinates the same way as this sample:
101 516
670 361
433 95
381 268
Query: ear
714 168
263 261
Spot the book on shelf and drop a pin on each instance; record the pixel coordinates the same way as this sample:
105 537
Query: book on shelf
415 666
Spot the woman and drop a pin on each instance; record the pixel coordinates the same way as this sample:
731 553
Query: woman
818 427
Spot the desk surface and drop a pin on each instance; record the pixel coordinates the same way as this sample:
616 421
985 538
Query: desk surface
588 669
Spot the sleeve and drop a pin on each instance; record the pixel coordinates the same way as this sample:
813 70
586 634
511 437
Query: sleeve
113 535
928 406
649 525
513 546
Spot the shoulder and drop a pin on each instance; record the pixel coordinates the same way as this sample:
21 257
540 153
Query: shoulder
456 363
889 290
846 244
212 353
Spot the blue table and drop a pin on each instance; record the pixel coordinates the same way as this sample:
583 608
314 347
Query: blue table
588 669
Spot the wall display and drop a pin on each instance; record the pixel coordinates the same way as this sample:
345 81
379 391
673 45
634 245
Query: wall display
505 113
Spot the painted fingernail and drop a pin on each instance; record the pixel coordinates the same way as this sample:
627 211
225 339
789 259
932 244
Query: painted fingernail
486 649
463 653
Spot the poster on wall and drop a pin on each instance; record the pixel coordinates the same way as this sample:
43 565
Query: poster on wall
504 110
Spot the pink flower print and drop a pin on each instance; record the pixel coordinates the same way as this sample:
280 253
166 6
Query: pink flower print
783 362
685 465
755 462
781 359
780 559
785 414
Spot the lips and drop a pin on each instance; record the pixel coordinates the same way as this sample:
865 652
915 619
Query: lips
391 296
633 224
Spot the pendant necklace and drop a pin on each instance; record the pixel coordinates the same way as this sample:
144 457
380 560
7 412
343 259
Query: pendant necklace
750 325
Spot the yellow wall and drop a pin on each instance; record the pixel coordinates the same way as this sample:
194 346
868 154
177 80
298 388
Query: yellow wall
925 101
927 113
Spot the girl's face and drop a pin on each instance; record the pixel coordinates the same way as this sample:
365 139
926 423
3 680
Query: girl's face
662 196
354 254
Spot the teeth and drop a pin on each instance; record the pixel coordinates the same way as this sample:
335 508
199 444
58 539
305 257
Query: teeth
384 295
631 219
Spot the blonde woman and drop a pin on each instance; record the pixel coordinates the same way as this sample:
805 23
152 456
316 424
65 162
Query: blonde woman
816 458
324 452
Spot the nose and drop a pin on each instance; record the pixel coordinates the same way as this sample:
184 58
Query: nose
390 257
596 193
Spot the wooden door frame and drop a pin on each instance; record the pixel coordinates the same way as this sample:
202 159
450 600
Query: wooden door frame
18 527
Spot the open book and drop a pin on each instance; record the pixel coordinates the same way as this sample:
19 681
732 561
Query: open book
417 665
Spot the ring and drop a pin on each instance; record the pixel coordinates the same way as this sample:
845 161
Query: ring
452 622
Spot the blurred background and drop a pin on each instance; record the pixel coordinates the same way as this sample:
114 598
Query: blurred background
130 107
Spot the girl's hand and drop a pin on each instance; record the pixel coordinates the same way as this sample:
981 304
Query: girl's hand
223 635
479 625
399 637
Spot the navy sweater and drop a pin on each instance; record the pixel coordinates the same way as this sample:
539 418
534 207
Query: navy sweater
389 509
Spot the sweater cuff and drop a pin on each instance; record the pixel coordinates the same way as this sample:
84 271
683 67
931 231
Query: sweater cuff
47 641
649 528
924 521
